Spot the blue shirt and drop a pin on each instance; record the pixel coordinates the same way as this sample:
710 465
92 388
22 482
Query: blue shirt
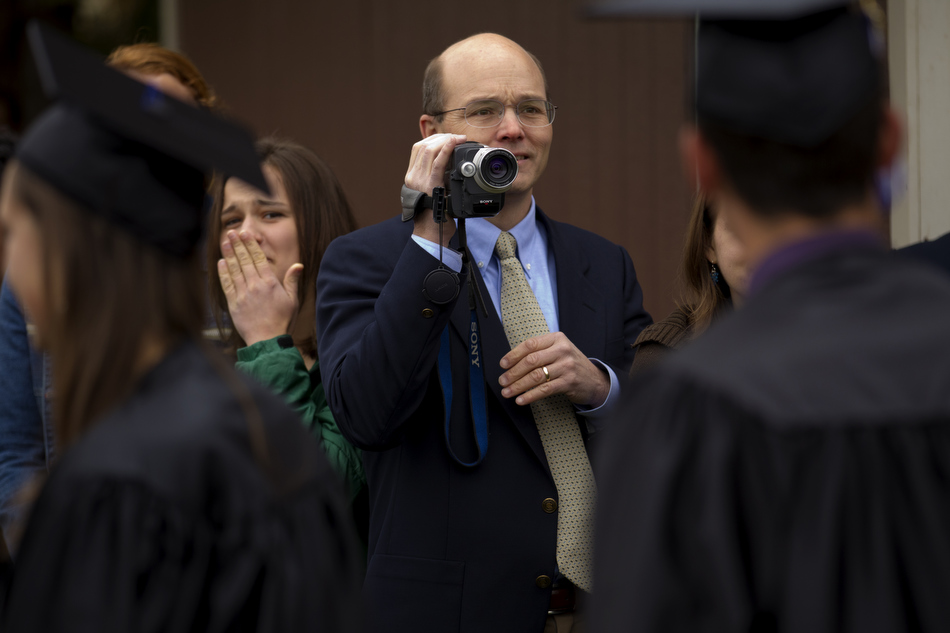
537 261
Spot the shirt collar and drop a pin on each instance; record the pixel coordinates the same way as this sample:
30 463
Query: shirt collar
482 235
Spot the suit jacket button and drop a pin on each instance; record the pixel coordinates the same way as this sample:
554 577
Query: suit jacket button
543 581
549 505
427 313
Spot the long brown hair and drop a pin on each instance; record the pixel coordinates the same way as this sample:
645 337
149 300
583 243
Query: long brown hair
152 59
107 295
321 213
705 298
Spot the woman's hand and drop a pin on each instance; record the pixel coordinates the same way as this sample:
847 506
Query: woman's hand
261 305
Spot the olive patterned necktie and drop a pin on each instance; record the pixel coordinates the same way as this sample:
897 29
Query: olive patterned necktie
557 424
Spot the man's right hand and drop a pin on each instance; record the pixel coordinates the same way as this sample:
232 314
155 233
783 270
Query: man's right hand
427 164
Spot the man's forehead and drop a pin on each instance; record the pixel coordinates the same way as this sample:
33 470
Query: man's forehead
490 68
483 43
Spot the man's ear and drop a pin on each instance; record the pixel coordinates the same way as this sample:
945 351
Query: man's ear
700 164
428 125
892 135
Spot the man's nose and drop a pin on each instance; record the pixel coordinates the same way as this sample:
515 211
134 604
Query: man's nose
510 126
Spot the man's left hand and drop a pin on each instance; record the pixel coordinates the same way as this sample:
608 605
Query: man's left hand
568 371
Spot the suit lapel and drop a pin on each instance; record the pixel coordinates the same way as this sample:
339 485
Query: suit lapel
579 314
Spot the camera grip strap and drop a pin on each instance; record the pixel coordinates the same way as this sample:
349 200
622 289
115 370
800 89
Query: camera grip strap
415 201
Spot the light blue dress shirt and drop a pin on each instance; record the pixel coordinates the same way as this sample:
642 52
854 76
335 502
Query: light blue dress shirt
537 260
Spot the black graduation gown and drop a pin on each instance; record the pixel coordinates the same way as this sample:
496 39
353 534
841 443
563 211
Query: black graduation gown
935 252
790 471
162 519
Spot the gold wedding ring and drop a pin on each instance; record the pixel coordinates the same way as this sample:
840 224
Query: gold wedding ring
547 376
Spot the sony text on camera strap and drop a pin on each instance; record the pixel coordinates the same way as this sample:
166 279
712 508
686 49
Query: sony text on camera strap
441 286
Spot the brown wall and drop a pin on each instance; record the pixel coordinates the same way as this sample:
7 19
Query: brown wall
344 78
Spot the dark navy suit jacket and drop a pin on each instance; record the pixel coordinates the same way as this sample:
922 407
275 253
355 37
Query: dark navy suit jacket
455 548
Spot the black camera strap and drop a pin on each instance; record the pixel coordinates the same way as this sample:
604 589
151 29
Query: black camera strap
441 286
476 371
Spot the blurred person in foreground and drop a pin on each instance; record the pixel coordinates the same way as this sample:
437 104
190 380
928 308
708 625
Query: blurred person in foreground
790 470
27 443
185 497
264 251
935 252
715 274
481 491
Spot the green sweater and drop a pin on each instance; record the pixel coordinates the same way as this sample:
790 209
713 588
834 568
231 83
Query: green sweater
277 364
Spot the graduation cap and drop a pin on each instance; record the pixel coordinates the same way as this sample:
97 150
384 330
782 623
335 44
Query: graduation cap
125 150
790 71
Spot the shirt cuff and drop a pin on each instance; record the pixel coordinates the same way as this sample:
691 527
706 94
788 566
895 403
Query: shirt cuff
450 257
596 416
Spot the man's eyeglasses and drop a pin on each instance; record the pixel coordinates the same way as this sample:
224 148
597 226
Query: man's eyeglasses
489 113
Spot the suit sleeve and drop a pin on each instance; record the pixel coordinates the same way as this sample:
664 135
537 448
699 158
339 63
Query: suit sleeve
378 334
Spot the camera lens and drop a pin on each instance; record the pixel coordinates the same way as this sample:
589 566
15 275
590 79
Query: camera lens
497 169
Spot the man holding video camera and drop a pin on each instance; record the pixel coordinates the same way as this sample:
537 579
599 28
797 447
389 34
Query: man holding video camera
473 389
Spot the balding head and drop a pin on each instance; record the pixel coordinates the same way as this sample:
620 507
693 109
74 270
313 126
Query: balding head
454 58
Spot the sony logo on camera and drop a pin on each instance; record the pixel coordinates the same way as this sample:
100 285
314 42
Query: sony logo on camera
477 179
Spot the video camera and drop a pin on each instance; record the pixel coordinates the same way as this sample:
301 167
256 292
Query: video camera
475 184
477 179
